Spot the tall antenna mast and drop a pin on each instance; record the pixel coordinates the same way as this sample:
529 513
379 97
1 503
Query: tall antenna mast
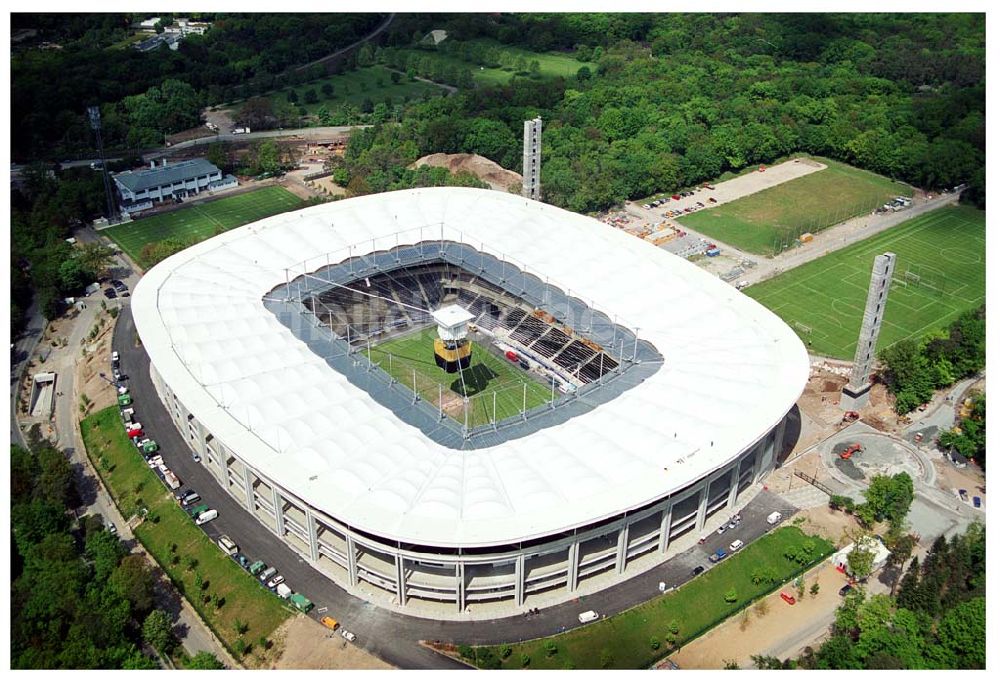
94 114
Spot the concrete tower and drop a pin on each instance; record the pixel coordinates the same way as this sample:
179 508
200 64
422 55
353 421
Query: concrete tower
855 395
531 182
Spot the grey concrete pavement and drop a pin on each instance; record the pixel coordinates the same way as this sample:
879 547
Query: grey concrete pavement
394 636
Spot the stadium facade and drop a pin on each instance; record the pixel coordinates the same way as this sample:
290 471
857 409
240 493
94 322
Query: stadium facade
673 392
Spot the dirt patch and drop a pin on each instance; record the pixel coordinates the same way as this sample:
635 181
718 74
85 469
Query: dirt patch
775 626
97 359
491 173
835 526
306 644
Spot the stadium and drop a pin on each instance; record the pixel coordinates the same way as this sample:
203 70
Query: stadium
585 401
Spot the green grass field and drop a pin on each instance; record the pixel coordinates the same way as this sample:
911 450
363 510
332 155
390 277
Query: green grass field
373 82
769 221
625 641
135 486
823 300
551 64
201 221
487 374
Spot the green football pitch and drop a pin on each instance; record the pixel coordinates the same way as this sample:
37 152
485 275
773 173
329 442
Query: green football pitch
940 272
769 221
412 358
202 220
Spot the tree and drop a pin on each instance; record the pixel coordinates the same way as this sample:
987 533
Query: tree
327 88
293 96
204 660
583 74
311 97
962 630
860 561
157 631
95 258
889 498
133 580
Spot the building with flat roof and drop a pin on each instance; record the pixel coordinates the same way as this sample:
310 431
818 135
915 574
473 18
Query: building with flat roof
674 390
143 188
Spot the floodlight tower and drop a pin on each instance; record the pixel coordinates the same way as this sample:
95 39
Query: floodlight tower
856 392
531 181
452 350
94 114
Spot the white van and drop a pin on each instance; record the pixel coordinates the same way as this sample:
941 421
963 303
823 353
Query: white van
736 545
227 545
773 518
210 514
588 616
283 591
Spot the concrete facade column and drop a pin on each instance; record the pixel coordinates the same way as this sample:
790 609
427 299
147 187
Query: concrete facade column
311 532
759 459
400 581
734 482
702 506
779 438
573 566
460 585
519 581
622 548
668 516
352 561
247 488
279 511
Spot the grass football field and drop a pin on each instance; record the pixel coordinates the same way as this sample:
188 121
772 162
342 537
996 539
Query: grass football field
201 221
940 272
487 374
769 221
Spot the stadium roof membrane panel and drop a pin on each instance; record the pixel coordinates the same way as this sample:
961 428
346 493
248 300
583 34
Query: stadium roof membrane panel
731 371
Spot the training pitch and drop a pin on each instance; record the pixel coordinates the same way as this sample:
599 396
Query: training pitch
769 221
940 272
202 220
487 375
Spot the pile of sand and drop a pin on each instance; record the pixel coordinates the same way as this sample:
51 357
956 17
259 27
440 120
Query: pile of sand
486 170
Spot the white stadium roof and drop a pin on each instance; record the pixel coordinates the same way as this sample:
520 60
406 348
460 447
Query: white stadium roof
731 371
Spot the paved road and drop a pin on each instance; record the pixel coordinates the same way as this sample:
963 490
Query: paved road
24 348
392 636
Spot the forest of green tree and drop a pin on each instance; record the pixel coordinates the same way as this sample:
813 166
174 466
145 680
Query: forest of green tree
79 599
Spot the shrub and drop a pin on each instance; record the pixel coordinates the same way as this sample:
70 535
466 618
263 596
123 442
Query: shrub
505 652
551 648
466 652
731 596
654 643
525 660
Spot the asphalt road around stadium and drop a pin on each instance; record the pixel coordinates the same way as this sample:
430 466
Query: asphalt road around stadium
392 636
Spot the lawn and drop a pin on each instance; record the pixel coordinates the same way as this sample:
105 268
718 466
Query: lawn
550 64
770 220
373 82
487 374
202 220
944 253
135 486
626 641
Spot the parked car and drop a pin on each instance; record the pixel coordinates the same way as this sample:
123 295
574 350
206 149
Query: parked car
112 529
242 560
119 285
588 616
110 293
722 529
788 598
348 635
717 556
273 583
190 497
114 357
207 516
846 589
197 457
963 494
977 502
736 545
258 567
329 623
698 569
267 574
